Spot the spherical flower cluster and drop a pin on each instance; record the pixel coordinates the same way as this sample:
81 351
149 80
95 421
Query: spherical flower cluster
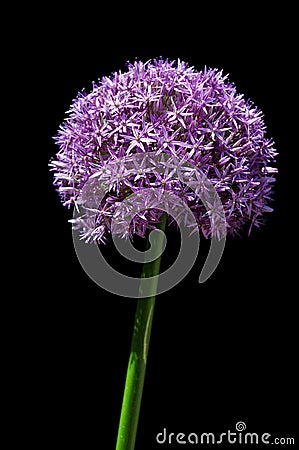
163 106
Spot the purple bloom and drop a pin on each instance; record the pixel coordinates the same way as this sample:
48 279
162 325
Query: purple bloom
168 107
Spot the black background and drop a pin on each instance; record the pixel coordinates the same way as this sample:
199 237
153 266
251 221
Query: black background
220 352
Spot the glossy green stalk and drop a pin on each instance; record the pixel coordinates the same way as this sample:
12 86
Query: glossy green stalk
139 350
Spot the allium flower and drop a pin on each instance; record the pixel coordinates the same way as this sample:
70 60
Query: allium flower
163 106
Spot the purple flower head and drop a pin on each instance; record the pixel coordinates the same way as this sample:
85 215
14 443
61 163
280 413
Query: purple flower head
165 107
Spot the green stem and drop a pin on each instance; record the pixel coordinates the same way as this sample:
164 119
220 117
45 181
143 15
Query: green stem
139 350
